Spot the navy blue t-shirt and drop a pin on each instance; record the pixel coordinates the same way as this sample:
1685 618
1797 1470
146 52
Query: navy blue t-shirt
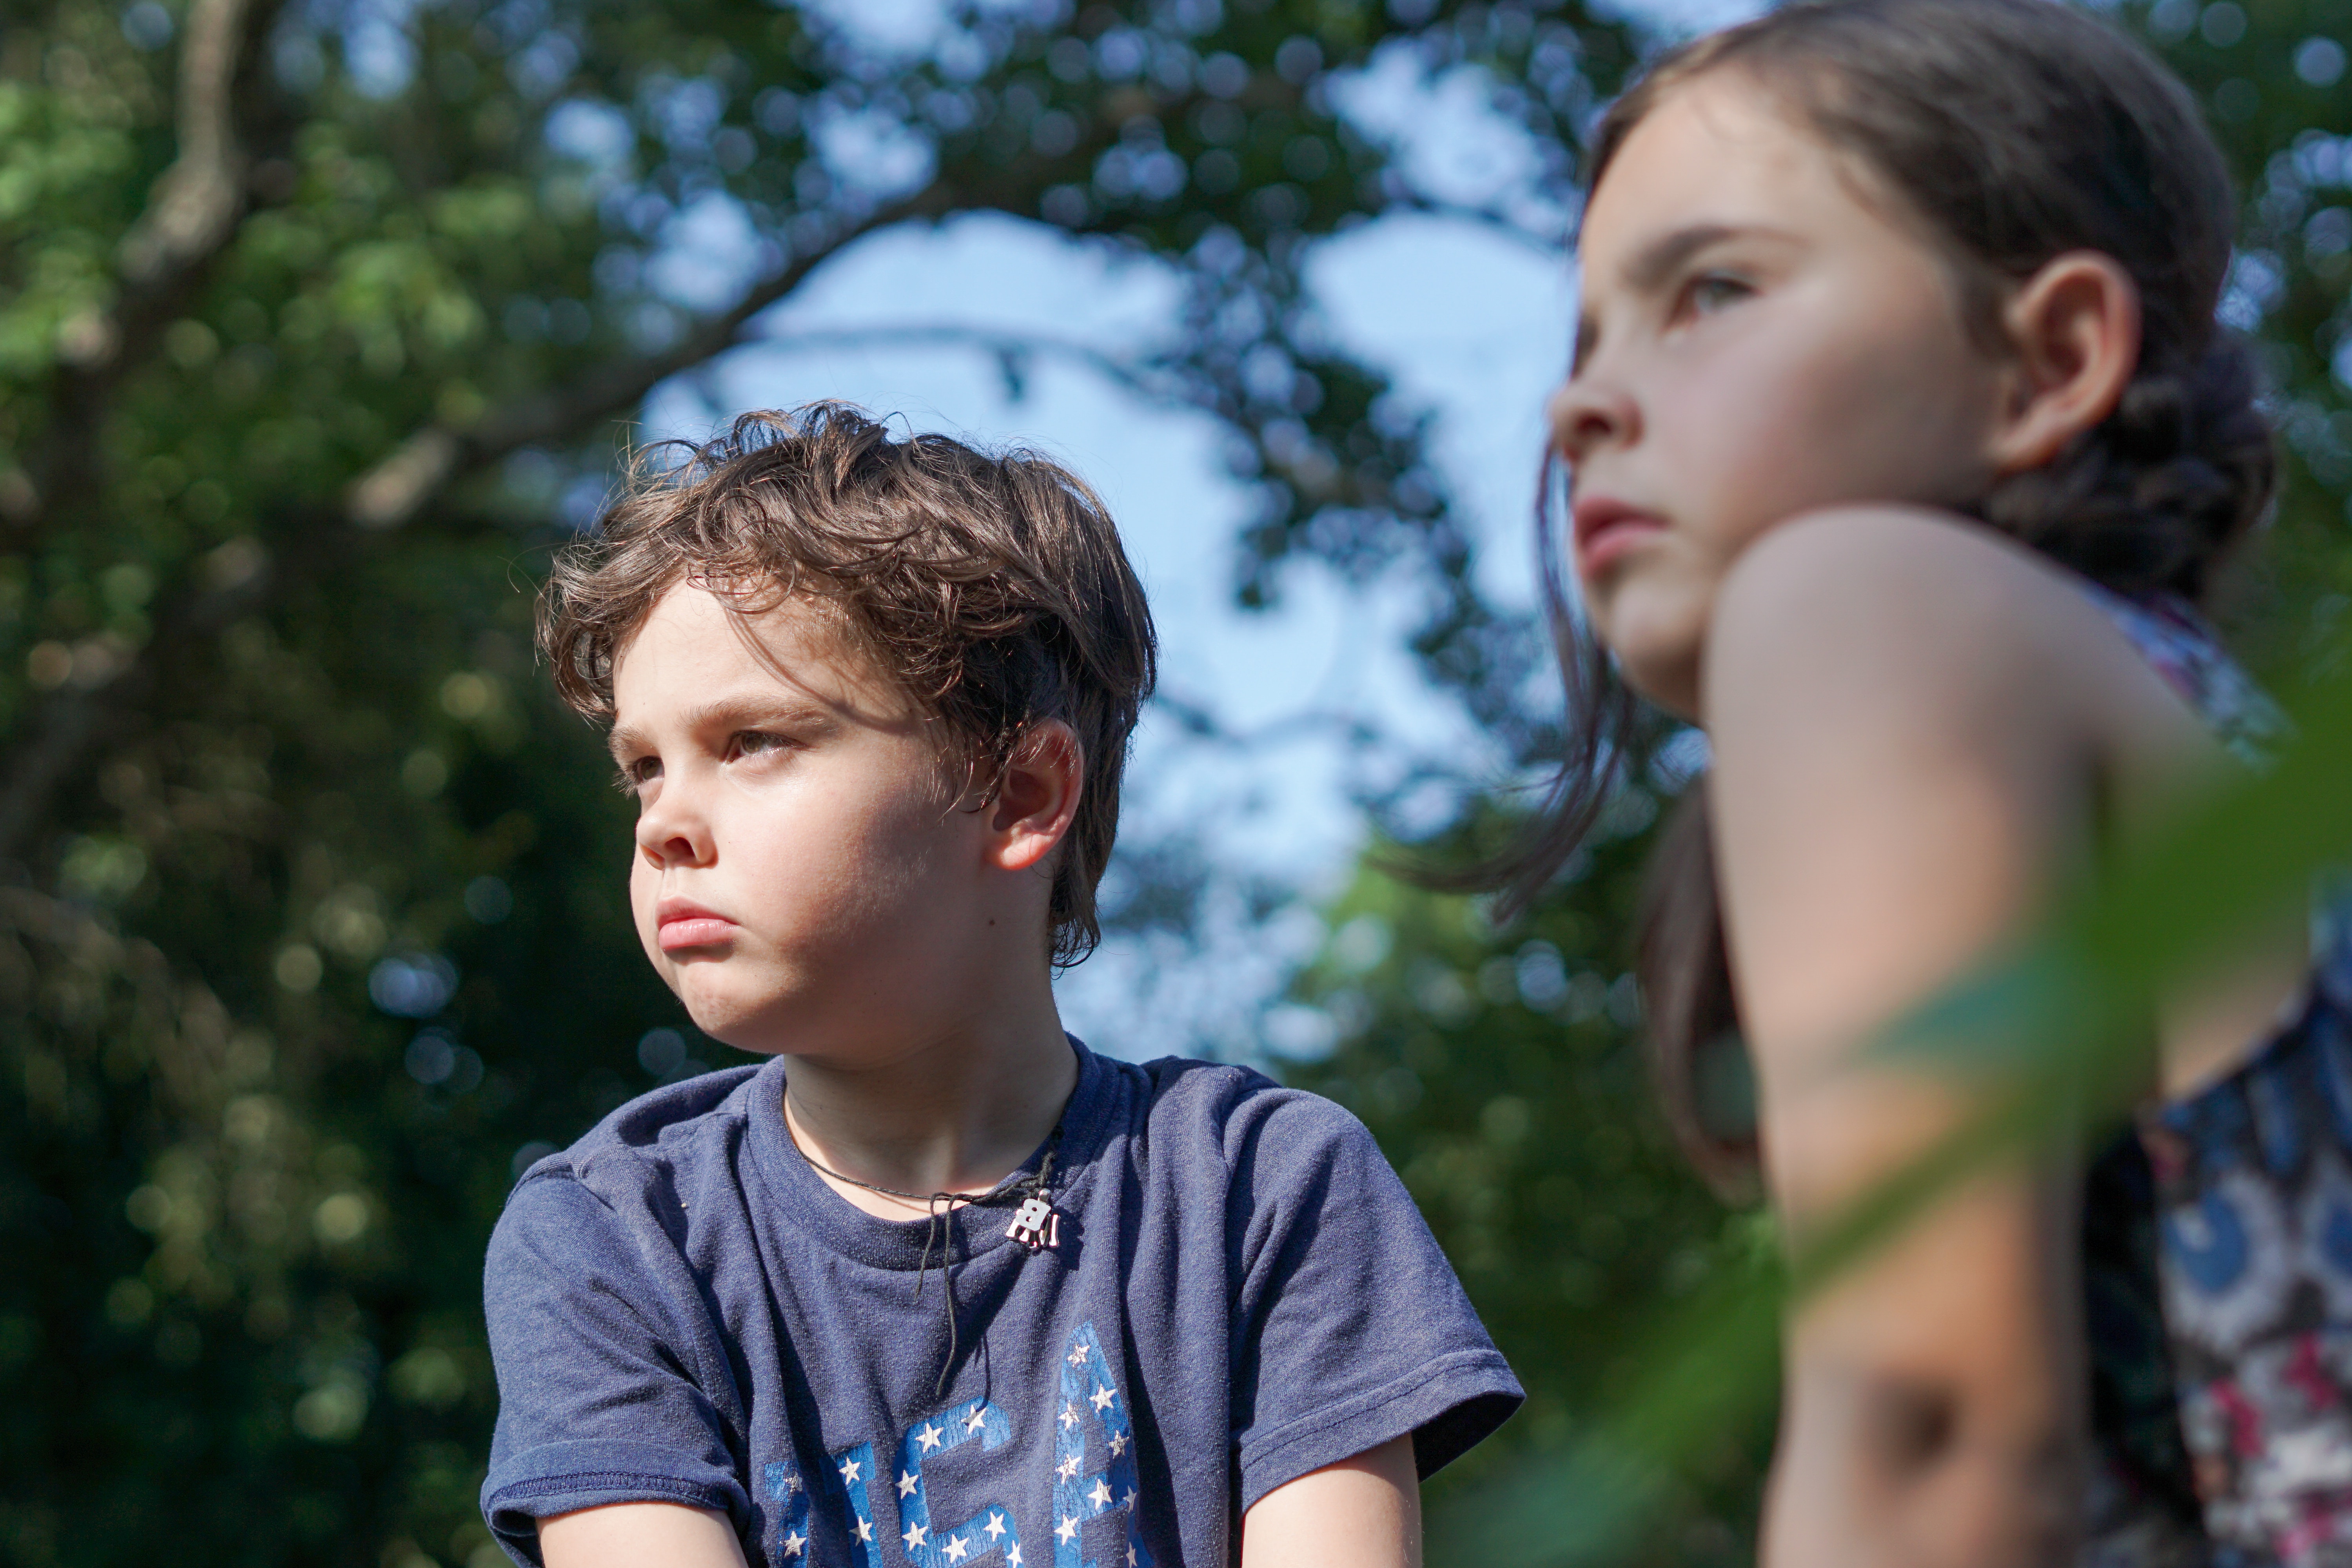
681 1310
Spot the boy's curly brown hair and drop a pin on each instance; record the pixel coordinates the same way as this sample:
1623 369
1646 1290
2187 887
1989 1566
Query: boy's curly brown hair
992 588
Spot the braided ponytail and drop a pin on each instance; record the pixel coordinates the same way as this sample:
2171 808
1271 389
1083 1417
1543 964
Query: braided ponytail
2155 497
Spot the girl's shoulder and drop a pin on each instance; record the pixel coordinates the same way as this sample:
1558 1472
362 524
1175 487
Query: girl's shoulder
1904 572
1878 614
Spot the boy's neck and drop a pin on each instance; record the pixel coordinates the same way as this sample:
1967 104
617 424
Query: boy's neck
954 1113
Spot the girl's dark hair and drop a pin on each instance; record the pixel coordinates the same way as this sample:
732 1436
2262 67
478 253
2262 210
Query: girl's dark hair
2009 131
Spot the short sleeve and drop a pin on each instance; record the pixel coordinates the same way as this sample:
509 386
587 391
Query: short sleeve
596 1401
1351 1329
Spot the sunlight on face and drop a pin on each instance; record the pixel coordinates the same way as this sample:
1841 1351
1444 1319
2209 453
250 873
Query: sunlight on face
1761 336
802 877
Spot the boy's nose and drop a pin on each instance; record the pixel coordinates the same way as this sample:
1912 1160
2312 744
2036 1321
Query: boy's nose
671 831
672 849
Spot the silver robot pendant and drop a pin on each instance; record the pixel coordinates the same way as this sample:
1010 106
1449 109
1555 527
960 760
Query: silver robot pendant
1036 1225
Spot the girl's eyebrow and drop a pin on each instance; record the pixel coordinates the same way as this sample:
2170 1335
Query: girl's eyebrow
1652 266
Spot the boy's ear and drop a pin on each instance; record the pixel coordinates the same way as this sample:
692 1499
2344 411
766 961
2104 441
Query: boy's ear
1038 797
2074 333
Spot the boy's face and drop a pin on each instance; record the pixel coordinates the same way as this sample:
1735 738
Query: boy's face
804 878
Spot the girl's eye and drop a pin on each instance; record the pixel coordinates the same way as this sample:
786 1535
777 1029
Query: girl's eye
635 775
1712 291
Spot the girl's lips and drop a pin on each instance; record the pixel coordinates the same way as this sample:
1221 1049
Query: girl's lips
695 930
1608 530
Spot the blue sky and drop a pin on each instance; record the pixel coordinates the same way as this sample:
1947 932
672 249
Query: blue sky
1471 322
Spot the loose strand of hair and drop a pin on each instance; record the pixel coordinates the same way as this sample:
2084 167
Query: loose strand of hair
1598 723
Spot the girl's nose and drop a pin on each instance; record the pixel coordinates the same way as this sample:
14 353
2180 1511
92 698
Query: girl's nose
1588 414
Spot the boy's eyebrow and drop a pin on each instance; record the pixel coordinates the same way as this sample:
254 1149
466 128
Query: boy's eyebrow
728 712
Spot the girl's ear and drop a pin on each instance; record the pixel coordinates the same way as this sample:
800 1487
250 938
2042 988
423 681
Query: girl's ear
2074 333
1037 796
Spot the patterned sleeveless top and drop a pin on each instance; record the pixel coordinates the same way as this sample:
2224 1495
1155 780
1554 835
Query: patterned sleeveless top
2217 1249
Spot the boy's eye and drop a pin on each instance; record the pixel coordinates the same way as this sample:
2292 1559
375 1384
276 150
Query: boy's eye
636 774
758 743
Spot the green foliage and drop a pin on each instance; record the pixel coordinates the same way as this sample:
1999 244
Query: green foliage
1503 1073
2272 78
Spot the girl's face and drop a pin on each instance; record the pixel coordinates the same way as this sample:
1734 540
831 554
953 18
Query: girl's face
1762 335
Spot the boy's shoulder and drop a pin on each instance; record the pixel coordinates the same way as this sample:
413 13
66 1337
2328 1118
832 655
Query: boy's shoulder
1239 1106
673 1125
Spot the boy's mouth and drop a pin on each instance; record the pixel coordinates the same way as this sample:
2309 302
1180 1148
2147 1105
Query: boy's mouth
680 923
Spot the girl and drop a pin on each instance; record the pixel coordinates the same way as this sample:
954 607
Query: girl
1902 443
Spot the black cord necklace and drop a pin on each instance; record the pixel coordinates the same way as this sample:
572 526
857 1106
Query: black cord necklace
1024 1184
1037 1224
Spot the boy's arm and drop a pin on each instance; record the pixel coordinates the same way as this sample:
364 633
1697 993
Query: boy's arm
1364 1512
632 1534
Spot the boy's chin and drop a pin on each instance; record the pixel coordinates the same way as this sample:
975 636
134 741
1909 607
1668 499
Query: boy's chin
742 1023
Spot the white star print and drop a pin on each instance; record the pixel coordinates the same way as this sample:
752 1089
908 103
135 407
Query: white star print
849 1470
1099 1494
1066 1530
957 1550
979 1418
865 1531
1068 1469
1130 1557
793 1543
1118 1444
1013 1558
1070 1414
929 1436
995 1525
792 1483
907 1482
1078 1356
1128 1500
1100 1399
914 1536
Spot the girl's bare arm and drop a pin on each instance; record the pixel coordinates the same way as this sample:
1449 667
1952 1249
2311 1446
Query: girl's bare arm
1905 765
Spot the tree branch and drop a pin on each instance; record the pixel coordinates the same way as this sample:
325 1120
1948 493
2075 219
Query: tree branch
437 457
195 202
1545 244
191 215
1134 375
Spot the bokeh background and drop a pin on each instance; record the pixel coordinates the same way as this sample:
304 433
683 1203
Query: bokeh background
323 322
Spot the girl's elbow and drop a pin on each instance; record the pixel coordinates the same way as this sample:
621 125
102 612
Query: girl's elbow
1923 1474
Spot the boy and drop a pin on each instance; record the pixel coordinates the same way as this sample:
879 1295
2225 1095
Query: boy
936 1285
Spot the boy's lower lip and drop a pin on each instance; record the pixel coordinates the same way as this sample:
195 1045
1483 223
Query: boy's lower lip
1604 548
698 930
